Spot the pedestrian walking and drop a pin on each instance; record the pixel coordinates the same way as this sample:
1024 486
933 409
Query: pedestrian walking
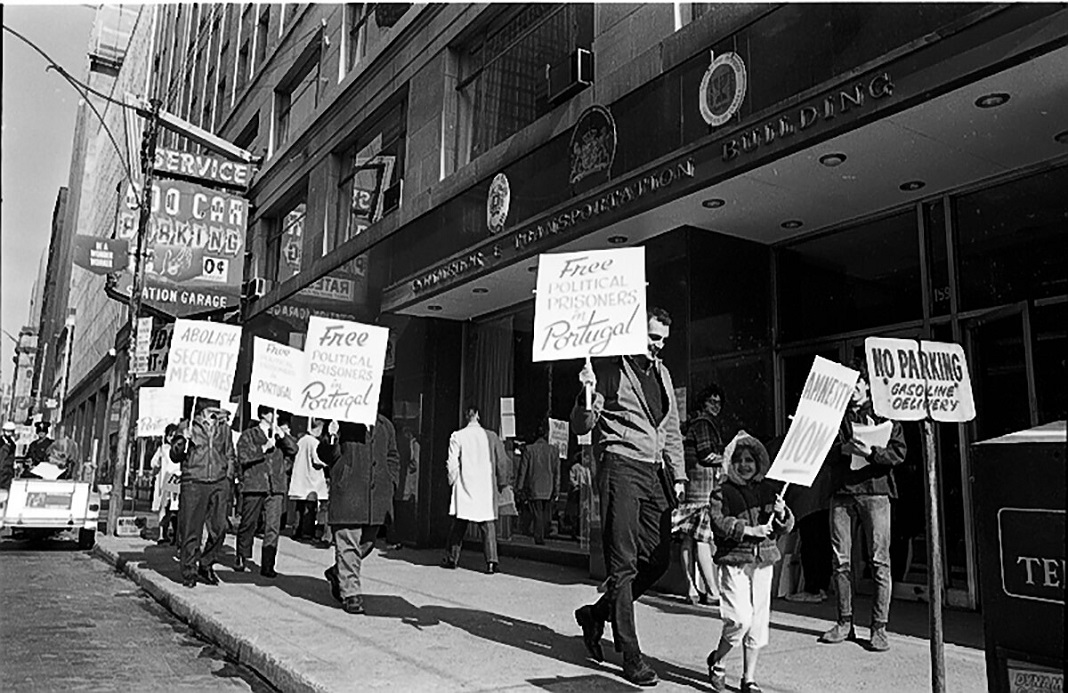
204 448
539 480
8 447
307 484
261 453
476 465
165 490
748 517
642 473
862 476
364 470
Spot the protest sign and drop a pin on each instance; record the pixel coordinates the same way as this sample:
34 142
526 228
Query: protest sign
558 436
202 359
824 399
590 303
277 375
157 407
343 364
507 417
142 345
912 380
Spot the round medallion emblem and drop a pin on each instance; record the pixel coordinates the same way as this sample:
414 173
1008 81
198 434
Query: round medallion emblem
500 195
722 89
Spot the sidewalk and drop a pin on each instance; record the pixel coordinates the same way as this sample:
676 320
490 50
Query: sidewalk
428 629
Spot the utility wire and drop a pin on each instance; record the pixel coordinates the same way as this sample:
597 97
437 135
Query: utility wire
83 91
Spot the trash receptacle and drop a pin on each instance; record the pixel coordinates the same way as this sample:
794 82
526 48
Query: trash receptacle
1018 484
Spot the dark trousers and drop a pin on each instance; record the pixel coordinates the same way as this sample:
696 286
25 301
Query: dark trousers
540 510
252 506
815 531
305 525
201 504
456 539
636 531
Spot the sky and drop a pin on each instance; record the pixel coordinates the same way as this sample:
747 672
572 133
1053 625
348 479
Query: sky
39 111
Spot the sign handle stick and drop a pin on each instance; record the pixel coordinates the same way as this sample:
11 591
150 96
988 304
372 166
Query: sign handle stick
589 390
782 492
934 561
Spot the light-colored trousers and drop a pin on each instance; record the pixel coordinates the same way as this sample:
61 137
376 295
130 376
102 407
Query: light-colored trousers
745 604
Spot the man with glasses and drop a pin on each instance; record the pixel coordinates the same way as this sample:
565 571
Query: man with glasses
642 473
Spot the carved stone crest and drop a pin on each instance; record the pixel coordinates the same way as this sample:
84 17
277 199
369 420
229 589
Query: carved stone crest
593 143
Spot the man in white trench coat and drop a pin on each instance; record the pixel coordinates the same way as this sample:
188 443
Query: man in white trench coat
476 457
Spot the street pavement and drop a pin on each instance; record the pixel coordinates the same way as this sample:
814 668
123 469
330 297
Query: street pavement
69 622
430 629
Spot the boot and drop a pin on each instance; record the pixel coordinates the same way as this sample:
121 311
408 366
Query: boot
878 642
239 564
637 671
842 631
267 556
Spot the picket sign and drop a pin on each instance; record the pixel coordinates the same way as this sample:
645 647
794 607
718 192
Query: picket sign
277 372
558 436
343 366
156 407
203 358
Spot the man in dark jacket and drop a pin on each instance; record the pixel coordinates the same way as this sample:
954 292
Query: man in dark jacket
7 455
262 451
37 452
862 477
364 468
205 450
539 481
636 436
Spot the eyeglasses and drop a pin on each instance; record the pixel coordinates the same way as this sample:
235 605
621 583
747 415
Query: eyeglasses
656 338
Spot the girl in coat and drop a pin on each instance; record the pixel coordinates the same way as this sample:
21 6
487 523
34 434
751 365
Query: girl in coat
747 518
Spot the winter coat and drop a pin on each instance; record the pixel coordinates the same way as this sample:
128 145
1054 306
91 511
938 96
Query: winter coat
539 471
264 472
738 504
622 422
205 451
877 477
703 446
163 497
362 475
7 461
308 481
476 460
37 451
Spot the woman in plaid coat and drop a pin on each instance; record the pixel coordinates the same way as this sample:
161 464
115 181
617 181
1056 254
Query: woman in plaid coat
690 523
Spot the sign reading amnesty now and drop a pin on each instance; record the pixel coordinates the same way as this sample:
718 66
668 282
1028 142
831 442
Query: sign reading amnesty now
202 360
590 303
912 380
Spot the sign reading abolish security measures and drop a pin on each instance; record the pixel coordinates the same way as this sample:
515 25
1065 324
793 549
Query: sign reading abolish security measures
824 399
202 359
590 303
277 374
343 365
157 407
912 380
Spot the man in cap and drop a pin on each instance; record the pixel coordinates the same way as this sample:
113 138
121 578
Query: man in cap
7 455
37 452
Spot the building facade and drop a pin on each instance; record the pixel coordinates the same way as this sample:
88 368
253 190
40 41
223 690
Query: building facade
800 176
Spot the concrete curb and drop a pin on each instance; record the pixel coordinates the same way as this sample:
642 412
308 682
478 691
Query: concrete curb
245 651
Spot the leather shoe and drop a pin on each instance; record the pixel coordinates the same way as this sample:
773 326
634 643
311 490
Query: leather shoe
448 563
239 564
492 569
353 605
638 672
335 584
189 582
207 575
592 631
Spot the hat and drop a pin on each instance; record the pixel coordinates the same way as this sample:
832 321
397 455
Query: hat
9 425
42 426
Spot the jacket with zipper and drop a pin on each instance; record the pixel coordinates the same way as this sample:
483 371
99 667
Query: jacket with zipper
264 472
205 451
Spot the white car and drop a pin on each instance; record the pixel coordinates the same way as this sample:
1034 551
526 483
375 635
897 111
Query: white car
35 506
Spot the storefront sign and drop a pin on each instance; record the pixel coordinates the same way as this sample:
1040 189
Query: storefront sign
592 148
202 166
202 360
1027 678
142 345
157 407
824 399
722 89
558 436
912 380
1032 566
846 100
100 255
196 242
343 362
158 349
497 203
277 372
590 303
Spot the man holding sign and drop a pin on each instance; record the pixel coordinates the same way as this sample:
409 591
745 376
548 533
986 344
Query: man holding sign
862 476
635 422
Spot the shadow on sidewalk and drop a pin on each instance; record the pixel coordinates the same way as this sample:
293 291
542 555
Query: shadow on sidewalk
472 559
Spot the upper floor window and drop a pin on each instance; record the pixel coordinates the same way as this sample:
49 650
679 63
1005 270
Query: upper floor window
503 85
263 33
297 93
365 25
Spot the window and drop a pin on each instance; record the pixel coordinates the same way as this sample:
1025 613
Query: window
248 133
222 103
206 121
365 26
285 248
263 33
371 169
503 85
242 65
297 94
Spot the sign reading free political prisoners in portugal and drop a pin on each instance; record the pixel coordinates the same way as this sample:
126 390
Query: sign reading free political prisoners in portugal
203 358
912 380
277 375
590 303
824 399
343 365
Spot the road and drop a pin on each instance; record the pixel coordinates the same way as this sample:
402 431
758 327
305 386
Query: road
69 621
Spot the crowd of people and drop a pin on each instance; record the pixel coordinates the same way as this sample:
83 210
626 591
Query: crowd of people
44 457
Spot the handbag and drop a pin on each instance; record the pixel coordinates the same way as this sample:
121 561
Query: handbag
506 503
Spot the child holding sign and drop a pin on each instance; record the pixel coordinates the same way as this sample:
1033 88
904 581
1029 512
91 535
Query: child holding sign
747 517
